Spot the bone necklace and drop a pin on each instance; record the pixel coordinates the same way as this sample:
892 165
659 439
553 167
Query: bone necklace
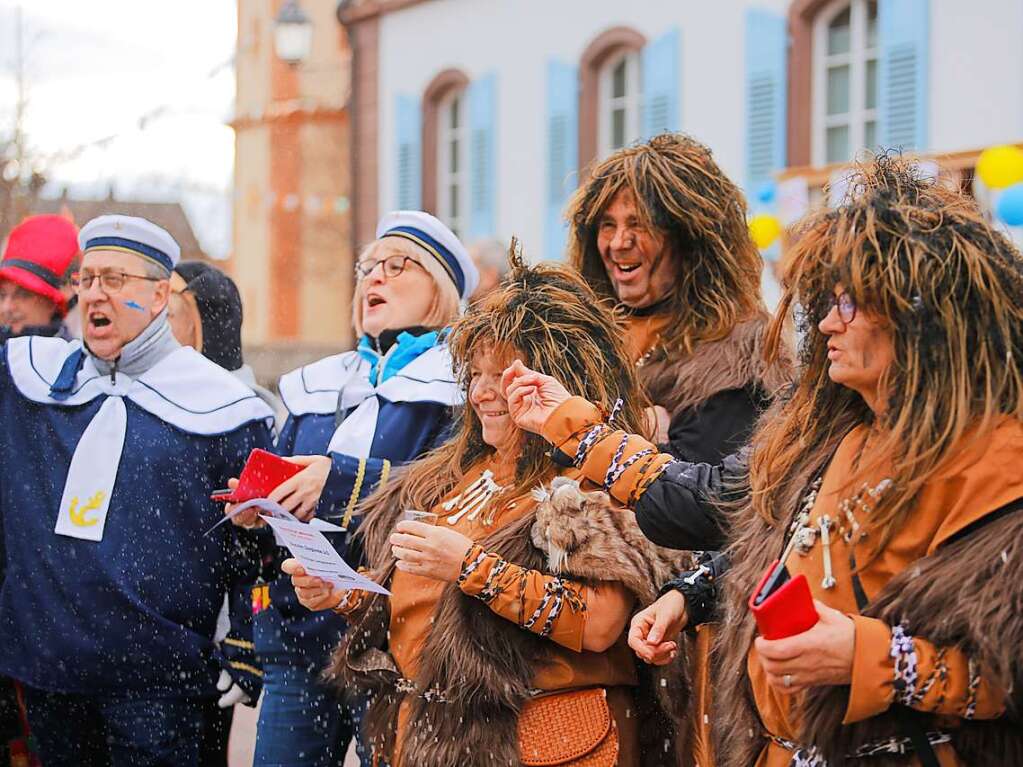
474 499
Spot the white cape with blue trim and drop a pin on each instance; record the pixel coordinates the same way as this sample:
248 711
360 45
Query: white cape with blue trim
184 389
343 380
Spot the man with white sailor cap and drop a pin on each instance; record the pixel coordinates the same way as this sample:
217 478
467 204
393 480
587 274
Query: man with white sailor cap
109 589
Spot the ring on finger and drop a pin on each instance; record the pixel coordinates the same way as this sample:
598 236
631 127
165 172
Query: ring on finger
787 680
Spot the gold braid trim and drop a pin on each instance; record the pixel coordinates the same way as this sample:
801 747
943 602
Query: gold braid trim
239 643
246 667
353 500
385 472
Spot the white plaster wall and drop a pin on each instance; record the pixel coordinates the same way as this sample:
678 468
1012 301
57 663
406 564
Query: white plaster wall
974 95
516 38
976 56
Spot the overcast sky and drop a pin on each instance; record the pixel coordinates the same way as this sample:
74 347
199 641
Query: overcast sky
95 68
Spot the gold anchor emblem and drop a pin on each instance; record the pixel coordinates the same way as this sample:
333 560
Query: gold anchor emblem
77 515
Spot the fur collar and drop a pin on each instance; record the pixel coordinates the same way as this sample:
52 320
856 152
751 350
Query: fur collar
480 664
733 362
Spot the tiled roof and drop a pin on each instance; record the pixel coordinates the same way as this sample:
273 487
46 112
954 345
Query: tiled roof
169 215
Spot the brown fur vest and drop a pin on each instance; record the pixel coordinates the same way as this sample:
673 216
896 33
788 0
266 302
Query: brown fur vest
966 595
476 666
733 362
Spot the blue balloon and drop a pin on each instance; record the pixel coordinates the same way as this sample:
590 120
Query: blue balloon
766 192
1010 205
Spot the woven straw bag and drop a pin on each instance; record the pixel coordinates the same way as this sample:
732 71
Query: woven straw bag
569 729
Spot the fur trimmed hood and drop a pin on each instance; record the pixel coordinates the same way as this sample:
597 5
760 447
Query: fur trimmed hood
477 667
733 362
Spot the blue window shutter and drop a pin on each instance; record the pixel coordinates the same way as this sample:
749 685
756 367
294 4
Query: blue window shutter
482 155
408 131
766 63
662 72
904 32
562 153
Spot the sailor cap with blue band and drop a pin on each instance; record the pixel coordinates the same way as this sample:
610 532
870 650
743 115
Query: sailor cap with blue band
436 239
131 235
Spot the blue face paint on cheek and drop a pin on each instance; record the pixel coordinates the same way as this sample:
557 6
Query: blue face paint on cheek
133 305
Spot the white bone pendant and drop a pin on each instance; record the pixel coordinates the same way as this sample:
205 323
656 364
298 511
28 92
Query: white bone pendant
473 499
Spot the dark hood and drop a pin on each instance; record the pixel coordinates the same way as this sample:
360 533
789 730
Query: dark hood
220 311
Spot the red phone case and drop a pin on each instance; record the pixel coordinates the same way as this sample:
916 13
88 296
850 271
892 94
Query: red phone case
262 473
788 611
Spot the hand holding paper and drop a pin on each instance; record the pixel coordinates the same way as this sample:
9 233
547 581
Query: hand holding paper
317 557
313 593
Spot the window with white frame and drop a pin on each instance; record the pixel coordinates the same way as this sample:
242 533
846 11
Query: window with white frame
453 162
620 101
845 55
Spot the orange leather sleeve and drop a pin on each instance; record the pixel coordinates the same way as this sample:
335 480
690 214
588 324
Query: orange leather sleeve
946 680
544 604
642 461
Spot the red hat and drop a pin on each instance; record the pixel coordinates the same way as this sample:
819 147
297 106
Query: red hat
39 252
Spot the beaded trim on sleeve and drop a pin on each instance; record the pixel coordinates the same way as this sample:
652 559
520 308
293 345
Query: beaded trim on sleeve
588 441
645 479
471 564
971 689
559 591
802 756
903 652
810 756
490 592
615 470
902 746
612 468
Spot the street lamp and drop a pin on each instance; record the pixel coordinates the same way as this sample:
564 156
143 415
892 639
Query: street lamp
293 34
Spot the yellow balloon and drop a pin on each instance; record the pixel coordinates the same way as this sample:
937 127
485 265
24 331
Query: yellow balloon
1000 166
764 229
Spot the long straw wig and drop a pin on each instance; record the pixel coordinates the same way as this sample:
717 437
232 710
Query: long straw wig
920 259
548 317
681 195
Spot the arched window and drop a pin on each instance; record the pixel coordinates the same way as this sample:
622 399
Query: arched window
445 149
453 162
845 54
620 102
610 85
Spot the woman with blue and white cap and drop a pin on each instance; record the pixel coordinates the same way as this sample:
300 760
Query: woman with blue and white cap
352 418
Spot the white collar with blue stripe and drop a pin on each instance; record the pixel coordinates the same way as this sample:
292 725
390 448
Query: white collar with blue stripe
184 389
344 379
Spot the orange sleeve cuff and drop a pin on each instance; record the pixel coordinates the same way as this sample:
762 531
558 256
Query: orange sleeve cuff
947 682
568 423
632 482
873 672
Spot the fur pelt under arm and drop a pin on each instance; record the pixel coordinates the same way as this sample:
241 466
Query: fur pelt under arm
737 732
482 665
967 595
715 366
